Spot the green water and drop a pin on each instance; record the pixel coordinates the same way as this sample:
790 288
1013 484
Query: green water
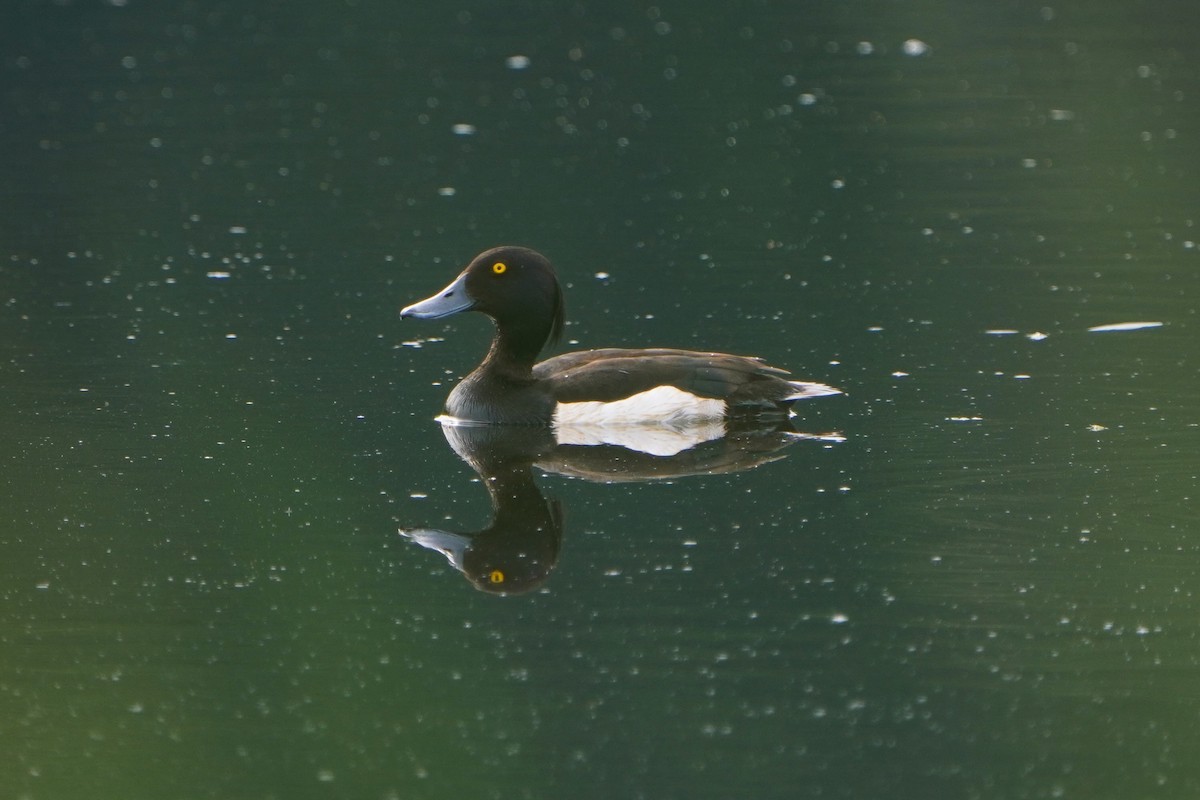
215 425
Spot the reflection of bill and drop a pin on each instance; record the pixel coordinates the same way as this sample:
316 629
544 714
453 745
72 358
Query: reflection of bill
518 550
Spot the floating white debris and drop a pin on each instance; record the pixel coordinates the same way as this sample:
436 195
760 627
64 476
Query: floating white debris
1001 332
463 129
1037 336
419 343
218 275
915 47
602 276
237 230
1095 428
964 419
447 191
517 62
1124 326
899 374
839 619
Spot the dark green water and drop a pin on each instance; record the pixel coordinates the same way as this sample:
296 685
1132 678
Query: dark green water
214 423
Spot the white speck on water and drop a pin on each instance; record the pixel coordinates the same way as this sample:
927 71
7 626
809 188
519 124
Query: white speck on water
1124 326
218 275
914 47
899 374
1001 332
42 585
418 495
964 419
447 191
463 129
325 776
1096 428
1021 376
517 62
838 183
602 276
807 99
1037 336
231 336
839 619
237 230
864 48
1061 115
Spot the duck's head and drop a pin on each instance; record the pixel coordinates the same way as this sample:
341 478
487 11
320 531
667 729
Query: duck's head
515 286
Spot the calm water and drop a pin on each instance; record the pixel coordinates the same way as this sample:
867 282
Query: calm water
215 425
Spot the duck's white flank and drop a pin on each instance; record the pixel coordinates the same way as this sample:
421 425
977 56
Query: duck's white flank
663 405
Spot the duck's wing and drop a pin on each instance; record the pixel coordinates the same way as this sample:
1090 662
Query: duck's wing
614 374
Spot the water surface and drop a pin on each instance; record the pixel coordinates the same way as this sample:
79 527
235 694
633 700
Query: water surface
216 426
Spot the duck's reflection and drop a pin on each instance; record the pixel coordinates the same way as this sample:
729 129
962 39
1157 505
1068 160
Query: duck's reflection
519 550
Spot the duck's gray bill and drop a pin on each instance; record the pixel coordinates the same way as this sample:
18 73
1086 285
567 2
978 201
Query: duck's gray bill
450 300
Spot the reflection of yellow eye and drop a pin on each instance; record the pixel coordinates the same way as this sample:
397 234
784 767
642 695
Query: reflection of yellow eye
496 576
499 268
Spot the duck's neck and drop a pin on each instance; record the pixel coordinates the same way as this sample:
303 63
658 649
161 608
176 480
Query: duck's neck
514 350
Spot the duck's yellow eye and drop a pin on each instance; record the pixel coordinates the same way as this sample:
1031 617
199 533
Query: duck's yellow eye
500 268
496 576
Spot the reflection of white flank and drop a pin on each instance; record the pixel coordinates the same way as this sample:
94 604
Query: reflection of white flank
657 440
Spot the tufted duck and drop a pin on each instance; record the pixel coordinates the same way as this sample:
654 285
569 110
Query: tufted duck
518 289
